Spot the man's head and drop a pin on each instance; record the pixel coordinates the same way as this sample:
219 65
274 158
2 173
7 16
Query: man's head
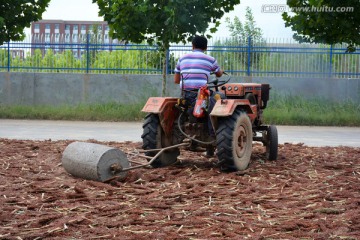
199 42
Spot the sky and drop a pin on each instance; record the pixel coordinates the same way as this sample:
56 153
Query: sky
271 24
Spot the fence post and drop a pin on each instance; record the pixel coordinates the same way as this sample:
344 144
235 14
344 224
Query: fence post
331 63
8 51
249 56
87 52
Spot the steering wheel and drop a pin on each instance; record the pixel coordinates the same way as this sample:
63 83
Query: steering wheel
218 83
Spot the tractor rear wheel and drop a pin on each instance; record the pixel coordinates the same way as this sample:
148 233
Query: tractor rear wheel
154 138
271 143
234 141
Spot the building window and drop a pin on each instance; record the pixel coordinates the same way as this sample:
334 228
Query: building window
47 37
47 28
36 38
75 28
67 38
74 38
57 37
83 37
56 28
36 28
106 39
90 28
67 27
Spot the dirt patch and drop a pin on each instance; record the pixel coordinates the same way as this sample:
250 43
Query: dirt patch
309 193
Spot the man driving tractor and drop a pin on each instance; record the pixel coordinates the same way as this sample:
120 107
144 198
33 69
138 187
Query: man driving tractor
194 68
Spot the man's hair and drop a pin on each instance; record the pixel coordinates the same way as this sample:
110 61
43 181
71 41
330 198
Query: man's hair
199 42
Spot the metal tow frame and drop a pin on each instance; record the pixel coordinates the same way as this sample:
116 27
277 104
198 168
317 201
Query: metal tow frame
115 168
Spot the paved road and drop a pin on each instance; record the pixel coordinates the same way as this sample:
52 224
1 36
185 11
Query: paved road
131 131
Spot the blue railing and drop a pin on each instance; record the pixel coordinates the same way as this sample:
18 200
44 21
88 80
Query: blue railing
244 58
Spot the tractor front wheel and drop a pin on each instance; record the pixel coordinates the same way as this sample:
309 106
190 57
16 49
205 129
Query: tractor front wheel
271 142
234 141
154 138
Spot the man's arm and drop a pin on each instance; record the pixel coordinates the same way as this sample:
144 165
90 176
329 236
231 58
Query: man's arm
177 78
215 67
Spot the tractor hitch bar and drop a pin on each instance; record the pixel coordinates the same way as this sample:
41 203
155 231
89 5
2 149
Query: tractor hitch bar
116 168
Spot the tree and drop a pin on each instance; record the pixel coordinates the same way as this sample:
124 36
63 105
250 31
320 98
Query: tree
95 39
15 15
325 21
241 34
162 22
248 29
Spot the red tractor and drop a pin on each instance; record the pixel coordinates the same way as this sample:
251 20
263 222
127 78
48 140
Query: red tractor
236 121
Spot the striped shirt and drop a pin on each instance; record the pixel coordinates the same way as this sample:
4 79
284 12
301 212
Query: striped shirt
195 69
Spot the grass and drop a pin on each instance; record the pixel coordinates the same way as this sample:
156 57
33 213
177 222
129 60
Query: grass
95 112
294 110
281 110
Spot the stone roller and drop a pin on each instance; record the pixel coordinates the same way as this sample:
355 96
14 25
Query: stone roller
94 161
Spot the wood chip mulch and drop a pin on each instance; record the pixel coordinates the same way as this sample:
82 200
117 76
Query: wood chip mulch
308 193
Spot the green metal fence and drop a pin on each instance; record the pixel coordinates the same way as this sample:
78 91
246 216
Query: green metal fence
270 57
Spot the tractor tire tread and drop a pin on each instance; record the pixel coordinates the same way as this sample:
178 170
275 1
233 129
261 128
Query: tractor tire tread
149 135
225 141
272 148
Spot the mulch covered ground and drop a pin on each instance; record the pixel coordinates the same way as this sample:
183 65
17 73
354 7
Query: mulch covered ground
309 193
